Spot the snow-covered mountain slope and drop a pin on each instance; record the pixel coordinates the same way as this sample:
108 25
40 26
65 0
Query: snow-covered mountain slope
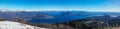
16 25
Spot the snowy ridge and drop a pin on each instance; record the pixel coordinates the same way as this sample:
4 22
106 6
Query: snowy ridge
16 25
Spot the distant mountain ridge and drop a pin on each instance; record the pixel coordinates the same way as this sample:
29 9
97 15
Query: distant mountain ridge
57 16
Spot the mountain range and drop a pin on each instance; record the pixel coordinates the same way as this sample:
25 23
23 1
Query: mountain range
51 16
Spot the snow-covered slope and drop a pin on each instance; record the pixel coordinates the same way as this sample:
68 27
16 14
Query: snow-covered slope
16 25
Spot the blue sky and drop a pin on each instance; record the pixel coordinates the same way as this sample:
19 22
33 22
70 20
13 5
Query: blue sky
62 5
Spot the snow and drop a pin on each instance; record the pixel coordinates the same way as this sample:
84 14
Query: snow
16 25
